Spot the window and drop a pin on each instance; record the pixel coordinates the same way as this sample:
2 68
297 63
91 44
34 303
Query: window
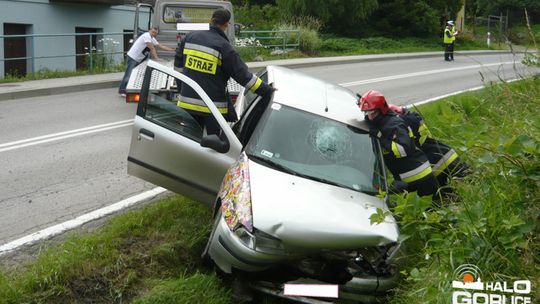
161 106
178 14
249 96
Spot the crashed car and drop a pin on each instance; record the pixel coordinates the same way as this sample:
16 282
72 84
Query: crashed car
293 182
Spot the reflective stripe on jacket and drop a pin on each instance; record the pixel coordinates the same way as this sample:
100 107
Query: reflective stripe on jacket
442 157
401 156
209 59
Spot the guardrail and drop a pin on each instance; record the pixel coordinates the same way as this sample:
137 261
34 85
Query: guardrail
90 53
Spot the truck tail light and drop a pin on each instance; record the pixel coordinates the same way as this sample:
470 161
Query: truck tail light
133 97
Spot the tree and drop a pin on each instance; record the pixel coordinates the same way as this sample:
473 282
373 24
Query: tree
412 17
337 15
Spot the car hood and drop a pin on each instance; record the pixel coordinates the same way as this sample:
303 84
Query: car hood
308 214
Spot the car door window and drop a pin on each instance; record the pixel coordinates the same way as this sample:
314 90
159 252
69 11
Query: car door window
160 106
250 97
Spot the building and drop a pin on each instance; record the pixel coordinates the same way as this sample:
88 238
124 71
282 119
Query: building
63 18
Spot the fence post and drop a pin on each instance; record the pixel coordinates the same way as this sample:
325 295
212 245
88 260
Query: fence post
33 55
90 53
254 45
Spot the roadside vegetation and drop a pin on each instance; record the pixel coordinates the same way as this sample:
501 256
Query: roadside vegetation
152 255
494 221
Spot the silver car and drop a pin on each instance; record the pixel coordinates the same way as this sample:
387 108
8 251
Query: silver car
293 182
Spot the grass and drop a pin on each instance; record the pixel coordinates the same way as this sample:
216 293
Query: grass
140 256
333 46
151 255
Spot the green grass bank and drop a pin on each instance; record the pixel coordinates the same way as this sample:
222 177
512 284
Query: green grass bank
151 255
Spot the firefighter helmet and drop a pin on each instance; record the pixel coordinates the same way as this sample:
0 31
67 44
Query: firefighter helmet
374 100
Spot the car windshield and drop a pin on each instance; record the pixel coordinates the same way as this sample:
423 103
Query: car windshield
316 147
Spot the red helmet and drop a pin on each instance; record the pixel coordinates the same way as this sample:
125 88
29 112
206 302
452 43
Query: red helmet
373 100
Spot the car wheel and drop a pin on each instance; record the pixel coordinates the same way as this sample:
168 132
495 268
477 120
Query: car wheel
205 256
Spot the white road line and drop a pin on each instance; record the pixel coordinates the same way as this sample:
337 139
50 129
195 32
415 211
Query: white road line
423 73
79 221
63 135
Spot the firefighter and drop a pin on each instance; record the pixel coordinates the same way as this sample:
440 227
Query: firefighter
209 59
444 160
449 40
405 161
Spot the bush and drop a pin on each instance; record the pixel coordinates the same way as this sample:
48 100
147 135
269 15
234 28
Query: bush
307 38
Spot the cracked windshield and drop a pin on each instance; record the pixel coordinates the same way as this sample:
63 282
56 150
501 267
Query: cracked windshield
317 148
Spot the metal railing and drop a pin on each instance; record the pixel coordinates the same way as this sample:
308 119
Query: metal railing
91 53
284 39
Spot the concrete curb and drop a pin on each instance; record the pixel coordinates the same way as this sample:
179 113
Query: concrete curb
94 82
36 92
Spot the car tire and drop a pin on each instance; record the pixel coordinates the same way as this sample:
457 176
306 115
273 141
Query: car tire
205 255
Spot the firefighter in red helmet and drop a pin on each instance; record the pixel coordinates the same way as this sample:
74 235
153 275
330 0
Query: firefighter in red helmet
406 162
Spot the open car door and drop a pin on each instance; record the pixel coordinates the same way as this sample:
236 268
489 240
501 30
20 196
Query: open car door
167 142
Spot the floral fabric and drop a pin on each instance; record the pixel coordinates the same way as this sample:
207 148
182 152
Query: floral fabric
235 194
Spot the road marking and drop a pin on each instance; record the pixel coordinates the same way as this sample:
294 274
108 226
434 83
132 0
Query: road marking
79 221
63 135
423 73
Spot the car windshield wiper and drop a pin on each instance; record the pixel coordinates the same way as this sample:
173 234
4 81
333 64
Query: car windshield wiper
286 169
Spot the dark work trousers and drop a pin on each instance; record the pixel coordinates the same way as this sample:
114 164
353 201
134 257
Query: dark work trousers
426 186
448 51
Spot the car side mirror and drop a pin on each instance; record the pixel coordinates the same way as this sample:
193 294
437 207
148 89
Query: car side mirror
398 187
215 143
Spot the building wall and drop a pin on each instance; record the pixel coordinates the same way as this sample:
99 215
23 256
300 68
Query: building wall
62 18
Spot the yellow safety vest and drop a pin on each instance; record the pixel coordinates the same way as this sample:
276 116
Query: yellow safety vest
448 40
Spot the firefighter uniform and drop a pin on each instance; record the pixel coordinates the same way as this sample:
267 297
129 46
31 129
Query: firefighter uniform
406 162
444 160
209 59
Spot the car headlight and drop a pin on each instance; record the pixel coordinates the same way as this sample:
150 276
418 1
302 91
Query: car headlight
235 195
260 241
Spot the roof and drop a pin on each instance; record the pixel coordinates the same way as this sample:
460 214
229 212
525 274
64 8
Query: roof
316 96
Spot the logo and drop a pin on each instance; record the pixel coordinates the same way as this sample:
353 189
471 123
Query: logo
470 289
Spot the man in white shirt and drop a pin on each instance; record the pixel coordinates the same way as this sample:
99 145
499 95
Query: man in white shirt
144 45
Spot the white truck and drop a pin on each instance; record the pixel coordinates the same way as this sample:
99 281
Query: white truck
175 19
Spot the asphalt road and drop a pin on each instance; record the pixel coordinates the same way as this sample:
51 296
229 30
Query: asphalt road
61 172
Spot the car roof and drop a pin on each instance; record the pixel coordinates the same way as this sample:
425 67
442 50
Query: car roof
304 92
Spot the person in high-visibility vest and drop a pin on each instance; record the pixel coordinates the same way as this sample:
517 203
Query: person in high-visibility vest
448 40
404 159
